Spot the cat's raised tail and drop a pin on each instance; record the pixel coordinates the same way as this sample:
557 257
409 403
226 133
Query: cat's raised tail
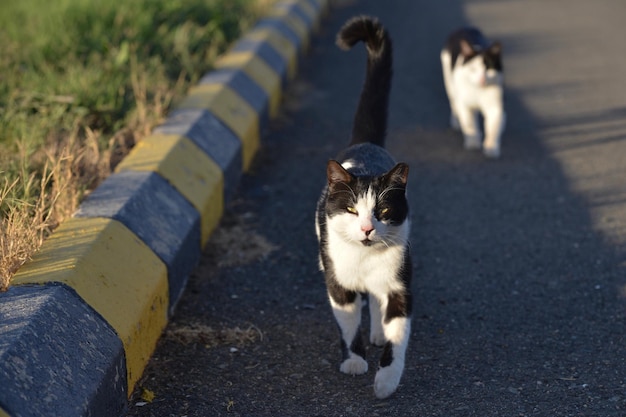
370 120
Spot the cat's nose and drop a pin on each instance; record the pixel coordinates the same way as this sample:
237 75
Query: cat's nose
367 229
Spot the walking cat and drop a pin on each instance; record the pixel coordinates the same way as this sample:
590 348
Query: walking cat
362 223
473 78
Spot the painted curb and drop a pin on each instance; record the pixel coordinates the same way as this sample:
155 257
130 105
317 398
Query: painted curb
82 318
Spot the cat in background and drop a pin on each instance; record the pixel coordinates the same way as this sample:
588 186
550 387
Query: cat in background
362 224
474 82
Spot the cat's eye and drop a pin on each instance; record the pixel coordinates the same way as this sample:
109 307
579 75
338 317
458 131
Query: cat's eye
384 211
351 210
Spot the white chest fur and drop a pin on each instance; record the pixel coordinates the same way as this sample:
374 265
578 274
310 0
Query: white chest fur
372 269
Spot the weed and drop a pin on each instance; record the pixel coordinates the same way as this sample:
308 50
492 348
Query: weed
81 82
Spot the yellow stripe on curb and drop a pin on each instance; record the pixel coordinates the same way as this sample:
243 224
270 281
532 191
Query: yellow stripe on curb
3 413
233 110
188 168
261 73
115 273
281 44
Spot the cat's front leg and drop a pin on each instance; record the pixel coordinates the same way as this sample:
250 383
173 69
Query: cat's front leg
495 121
469 126
397 329
347 306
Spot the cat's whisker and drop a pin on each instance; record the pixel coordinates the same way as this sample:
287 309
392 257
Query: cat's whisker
390 241
349 191
389 189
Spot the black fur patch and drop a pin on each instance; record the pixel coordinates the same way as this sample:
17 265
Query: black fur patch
357 346
370 119
401 304
387 357
491 52
389 189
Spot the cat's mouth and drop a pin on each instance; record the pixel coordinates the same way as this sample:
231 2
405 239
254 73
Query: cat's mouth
367 242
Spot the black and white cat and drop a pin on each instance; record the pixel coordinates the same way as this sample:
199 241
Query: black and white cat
473 78
362 223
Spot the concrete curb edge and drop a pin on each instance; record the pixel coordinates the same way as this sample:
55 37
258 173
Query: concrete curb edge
82 318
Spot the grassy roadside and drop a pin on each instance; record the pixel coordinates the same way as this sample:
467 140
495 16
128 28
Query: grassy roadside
81 81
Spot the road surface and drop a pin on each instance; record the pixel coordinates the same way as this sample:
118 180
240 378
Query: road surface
520 263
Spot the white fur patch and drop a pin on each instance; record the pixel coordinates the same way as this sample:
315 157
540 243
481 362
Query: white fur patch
364 268
348 318
387 380
397 331
347 164
367 268
354 365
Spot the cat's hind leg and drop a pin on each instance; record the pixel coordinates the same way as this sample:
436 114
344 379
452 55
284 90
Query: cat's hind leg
495 122
397 329
468 118
377 334
347 306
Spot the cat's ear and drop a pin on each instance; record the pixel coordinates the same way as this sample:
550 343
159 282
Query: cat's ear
466 49
495 48
336 173
399 174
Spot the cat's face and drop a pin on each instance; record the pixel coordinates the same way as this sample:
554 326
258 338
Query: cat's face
368 211
482 67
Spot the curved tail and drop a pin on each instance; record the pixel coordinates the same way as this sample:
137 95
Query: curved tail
370 120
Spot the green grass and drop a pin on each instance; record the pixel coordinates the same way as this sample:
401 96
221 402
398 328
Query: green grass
82 80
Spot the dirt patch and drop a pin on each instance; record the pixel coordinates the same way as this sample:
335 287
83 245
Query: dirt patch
210 337
236 243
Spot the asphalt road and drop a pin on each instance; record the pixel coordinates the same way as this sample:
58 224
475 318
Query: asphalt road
520 263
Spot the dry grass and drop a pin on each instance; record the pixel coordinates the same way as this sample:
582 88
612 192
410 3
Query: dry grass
57 176
209 337
70 167
24 227
235 243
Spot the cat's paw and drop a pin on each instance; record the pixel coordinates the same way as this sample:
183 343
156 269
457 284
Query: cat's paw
378 338
472 142
386 381
354 365
492 152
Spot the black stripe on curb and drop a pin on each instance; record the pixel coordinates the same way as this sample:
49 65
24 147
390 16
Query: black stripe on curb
85 369
82 318
154 211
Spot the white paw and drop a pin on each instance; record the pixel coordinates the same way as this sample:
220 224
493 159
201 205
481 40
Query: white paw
471 142
377 338
492 152
354 365
386 381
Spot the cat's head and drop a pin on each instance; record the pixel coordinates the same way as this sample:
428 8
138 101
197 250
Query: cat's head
483 66
367 210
